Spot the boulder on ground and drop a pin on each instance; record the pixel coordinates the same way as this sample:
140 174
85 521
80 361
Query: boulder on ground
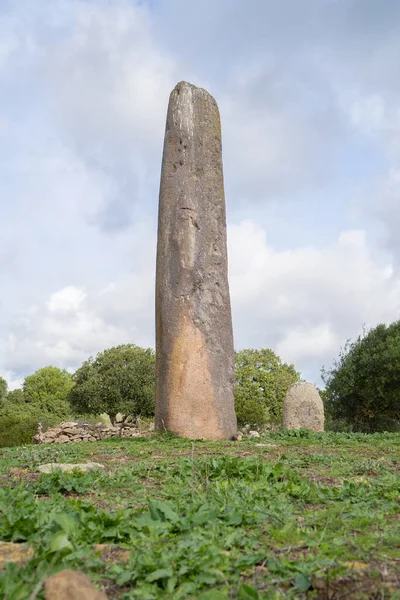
71 585
14 552
253 434
303 408
68 468
105 419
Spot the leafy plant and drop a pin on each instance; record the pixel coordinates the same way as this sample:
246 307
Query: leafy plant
60 482
262 381
46 391
43 397
362 387
299 516
120 379
3 389
17 430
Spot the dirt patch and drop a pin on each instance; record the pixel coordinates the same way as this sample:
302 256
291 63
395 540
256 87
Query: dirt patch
370 582
328 481
21 474
110 554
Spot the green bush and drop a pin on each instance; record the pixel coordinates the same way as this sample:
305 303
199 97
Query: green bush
262 381
17 430
3 389
120 379
46 392
363 386
43 397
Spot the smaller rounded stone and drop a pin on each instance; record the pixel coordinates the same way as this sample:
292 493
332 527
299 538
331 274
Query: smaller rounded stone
303 408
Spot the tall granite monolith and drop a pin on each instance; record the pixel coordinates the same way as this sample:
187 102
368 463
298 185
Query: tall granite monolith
194 340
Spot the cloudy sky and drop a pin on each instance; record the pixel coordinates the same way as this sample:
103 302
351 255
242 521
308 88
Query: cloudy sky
309 94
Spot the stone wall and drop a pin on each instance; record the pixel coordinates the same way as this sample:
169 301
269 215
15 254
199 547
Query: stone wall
85 432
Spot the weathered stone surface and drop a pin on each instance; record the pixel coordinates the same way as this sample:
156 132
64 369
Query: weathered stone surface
70 431
194 340
253 434
51 433
71 585
303 407
16 553
49 467
105 419
21 553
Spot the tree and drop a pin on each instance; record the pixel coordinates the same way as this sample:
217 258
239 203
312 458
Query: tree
363 386
262 381
120 379
43 397
46 391
15 397
3 388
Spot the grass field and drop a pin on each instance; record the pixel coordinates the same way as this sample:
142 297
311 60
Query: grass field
286 515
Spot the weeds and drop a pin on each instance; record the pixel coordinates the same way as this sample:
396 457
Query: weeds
309 515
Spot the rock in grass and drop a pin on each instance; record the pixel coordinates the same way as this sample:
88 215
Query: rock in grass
303 408
68 468
71 585
253 434
15 553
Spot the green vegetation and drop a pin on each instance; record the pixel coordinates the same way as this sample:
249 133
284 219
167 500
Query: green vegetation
118 380
46 392
44 396
3 389
363 386
17 430
262 381
290 515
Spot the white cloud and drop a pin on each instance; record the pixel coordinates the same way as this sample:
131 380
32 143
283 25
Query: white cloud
306 302
13 383
274 145
107 75
303 343
77 323
67 300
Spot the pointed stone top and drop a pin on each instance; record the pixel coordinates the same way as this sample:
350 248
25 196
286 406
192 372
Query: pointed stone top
183 84
188 90
190 105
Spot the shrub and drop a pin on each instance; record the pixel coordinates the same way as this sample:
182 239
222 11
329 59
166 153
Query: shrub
363 386
45 392
17 430
262 381
3 389
120 379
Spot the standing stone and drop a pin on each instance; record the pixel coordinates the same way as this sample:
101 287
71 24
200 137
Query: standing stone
194 340
303 407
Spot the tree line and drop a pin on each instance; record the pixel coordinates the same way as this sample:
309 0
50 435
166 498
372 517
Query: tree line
362 390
